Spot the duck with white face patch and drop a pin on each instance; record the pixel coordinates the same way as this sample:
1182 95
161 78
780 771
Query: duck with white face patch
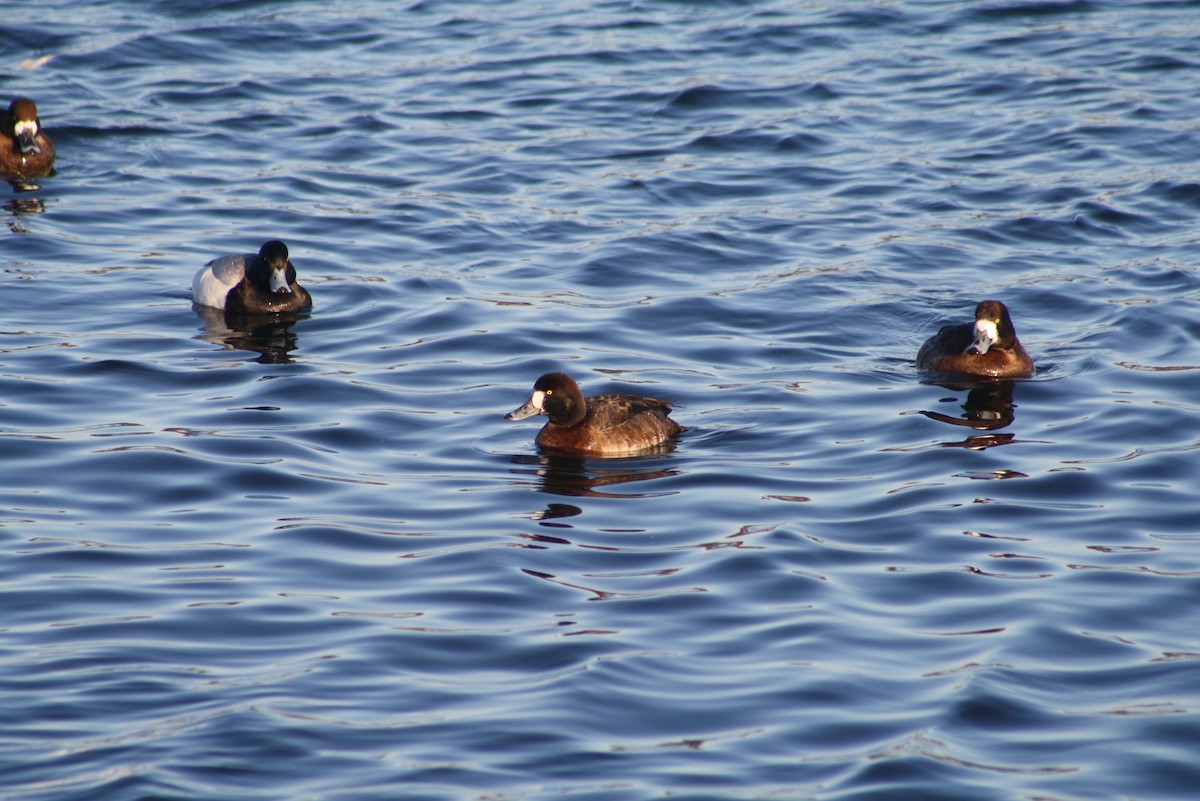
986 335
25 149
602 425
534 406
988 347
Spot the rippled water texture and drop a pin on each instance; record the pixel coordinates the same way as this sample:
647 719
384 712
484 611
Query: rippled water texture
311 560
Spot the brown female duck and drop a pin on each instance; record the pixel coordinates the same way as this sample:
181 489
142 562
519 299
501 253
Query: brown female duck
25 150
603 425
987 347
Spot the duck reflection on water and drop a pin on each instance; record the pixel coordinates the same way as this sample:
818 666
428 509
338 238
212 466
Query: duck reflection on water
989 406
577 476
269 335
25 206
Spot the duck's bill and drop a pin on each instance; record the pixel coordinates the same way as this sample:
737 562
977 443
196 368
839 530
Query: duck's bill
27 142
985 336
279 282
524 411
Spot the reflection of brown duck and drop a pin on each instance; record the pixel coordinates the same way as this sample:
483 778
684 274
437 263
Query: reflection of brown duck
982 442
25 150
22 206
603 425
572 476
989 406
987 347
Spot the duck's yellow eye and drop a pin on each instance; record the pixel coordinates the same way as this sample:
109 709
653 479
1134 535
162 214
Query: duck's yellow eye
549 392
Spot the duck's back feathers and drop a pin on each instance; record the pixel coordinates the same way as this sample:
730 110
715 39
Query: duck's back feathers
614 424
951 339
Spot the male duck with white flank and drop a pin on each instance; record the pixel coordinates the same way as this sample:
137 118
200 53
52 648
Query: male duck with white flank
251 283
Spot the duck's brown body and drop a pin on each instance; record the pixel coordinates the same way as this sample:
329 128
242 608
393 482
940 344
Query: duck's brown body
25 150
603 425
988 347
613 424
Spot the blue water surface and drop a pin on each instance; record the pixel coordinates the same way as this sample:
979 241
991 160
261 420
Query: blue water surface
310 560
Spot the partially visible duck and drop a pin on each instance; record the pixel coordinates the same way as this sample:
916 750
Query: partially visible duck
251 283
987 347
603 425
25 150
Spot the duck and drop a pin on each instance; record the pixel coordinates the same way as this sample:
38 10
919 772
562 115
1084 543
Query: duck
25 150
602 425
251 283
987 347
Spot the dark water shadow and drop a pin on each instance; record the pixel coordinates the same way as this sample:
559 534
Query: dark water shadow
577 476
268 335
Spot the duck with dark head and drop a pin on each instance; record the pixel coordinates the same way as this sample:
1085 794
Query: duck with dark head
986 347
25 150
602 425
251 283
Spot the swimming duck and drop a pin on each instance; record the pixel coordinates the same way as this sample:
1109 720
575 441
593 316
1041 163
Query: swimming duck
603 425
987 347
25 150
249 283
